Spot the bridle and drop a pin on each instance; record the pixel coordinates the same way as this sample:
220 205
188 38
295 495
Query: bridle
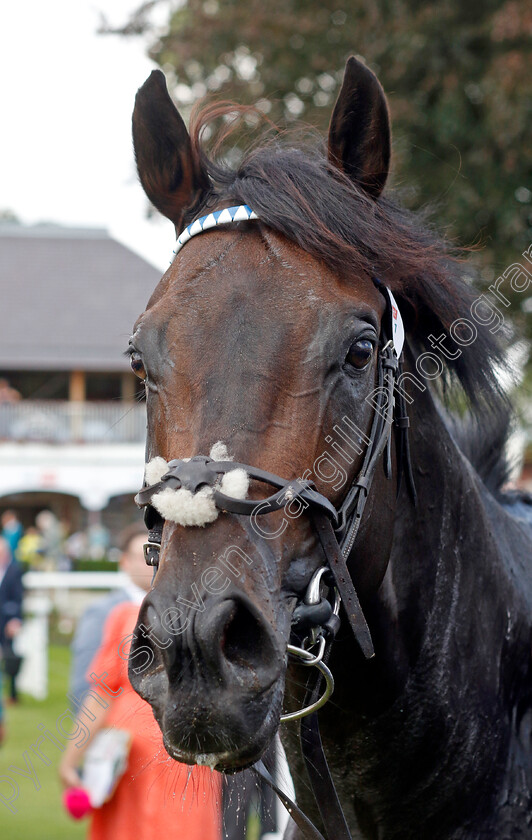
316 618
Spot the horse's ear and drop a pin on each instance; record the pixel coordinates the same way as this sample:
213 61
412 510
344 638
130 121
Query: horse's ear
170 174
359 133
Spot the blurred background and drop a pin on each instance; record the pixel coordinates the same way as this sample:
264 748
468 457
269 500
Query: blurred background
80 251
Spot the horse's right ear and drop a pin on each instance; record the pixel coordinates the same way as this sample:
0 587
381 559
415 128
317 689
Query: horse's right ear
171 176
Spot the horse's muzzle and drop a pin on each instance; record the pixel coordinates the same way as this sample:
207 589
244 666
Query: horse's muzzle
214 677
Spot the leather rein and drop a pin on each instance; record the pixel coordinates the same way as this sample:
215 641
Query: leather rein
316 618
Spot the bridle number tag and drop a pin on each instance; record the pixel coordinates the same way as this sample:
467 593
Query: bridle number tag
398 329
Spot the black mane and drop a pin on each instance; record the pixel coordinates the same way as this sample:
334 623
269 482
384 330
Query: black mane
483 444
299 193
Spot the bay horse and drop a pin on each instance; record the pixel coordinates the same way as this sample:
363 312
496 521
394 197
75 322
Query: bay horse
275 339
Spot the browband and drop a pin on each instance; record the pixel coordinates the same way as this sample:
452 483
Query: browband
240 213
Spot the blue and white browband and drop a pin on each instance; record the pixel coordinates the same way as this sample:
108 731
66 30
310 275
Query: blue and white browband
243 213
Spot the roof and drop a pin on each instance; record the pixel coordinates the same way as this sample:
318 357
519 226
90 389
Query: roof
69 298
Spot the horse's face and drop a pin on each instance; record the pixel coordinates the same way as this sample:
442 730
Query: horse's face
250 341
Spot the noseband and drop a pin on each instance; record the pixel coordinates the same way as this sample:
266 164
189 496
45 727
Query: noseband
316 619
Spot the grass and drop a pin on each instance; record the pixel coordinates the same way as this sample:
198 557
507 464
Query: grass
40 813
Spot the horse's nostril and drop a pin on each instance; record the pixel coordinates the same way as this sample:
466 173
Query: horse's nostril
233 636
244 640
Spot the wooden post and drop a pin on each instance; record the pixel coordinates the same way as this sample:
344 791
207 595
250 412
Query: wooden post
77 389
76 394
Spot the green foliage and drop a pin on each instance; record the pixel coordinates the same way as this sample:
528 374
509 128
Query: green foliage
88 565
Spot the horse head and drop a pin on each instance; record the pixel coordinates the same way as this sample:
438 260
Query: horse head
256 348
267 352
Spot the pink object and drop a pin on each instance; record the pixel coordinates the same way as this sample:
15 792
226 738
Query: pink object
77 802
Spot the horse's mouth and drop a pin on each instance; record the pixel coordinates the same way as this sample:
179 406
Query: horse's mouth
212 760
223 762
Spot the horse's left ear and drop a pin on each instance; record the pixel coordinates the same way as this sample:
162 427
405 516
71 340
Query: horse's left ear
359 133
170 173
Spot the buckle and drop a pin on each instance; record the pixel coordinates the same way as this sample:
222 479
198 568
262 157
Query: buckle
151 553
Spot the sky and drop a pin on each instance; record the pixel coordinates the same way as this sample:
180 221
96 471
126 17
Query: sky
66 97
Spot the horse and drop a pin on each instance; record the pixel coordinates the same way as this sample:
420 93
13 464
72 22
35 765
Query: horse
319 339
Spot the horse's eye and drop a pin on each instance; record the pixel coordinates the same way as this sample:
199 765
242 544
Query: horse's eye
360 353
137 365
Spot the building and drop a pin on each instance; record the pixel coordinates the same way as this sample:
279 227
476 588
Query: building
72 423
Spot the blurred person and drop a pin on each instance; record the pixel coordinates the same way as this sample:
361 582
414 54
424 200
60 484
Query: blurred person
88 635
98 537
156 795
7 393
76 546
12 529
49 528
29 550
11 593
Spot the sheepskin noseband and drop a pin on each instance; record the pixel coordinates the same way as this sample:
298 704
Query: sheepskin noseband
188 505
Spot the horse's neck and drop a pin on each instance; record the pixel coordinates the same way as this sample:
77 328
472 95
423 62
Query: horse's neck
445 570
446 623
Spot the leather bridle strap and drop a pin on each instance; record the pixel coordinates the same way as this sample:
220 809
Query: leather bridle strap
352 508
336 552
323 788
320 778
307 829
342 580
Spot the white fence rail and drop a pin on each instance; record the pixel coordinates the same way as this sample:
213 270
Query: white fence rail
47 581
68 593
54 421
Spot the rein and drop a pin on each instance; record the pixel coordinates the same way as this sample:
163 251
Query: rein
315 619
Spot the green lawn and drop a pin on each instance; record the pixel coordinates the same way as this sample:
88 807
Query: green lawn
40 814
